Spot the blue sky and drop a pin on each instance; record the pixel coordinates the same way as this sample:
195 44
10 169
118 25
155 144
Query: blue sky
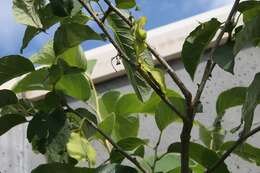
158 12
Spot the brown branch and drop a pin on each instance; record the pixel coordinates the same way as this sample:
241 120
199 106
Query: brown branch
210 64
240 141
118 148
124 56
156 158
161 60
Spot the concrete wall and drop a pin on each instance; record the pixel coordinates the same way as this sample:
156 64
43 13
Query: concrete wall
15 152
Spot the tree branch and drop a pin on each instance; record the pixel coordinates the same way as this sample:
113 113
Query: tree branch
118 148
124 56
156 158
240 141
210 64
161 60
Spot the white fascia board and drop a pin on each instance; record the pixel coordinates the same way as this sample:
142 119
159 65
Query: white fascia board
167 40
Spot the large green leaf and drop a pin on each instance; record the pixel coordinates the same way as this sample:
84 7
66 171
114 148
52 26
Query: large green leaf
249 9
47 19
36 80
196 43
7 97
80 149
75 85
61 8
249 35
202 155
205 135
9 70
125 127
128 104
61 168
74 56
126 40
167 163
44 127
107 126
251 101
224 57
72 34
131 143
125 4
164 115
26 12
45 56
9 121
230 98
107 103
56 150
246 151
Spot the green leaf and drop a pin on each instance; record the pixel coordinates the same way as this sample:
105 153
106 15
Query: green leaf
87 129
202 155
196 43
91 65
205 135
47 18
168 162
245 151
251 101
75 57
36 80
224 57
164 115
80 149
115 168
247 5
125 4
125 127
61 8
75 85
128 104
126 40
56 150
45 56
44 128
26 12
9 121
248 36
107 103
230 98
9 70
72 34
107 126
131 143
249 9
7 97
61 168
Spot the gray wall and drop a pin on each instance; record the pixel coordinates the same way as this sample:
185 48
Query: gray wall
16 155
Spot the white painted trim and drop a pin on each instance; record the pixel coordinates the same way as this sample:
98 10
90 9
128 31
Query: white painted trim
167 40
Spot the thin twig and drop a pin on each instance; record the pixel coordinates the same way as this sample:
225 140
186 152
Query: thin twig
118 148
161 60
156 158
124 56
240 141
210 64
